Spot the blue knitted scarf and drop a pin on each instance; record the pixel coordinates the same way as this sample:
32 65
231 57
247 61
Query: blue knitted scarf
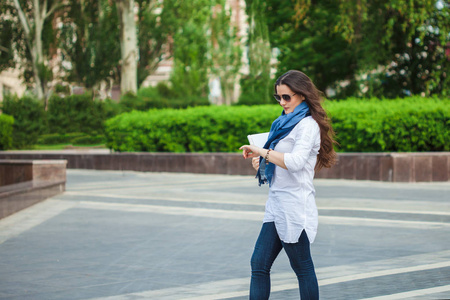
280 128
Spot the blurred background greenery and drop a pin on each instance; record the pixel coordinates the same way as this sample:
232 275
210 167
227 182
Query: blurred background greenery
87 67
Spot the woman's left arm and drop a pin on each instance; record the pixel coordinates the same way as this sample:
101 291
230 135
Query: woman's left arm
294 161
249 151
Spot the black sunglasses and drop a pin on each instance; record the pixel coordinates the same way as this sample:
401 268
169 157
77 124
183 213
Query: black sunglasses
285 97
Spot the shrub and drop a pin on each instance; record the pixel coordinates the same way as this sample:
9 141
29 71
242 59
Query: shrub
6 131
67 118
29 119
256 90
76 113
129 102
404 125
200 129
412 124
111 108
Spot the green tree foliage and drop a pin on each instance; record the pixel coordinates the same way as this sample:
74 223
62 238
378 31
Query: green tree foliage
421 63
32 35
191 49
6 41
225 50
205 44
381 48
256 86
94 27
406 40
306 39
154 29
190 72
89 41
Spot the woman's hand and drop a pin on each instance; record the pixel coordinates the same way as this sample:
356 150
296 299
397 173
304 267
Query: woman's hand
255 163
249 151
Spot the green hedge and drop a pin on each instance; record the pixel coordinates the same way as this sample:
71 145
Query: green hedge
76 116
199 129
404 125
6 131
72 115
76 113
413 124
29 119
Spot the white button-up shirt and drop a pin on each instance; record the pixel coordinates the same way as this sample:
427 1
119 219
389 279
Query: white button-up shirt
291 203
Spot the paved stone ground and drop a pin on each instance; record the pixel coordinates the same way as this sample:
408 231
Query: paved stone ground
129 235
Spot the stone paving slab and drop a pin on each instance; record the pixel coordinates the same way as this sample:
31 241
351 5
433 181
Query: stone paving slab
130 235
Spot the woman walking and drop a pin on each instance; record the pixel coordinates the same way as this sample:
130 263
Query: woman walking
300 142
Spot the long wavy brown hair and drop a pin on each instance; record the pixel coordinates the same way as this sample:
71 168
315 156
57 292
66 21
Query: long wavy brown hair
301 84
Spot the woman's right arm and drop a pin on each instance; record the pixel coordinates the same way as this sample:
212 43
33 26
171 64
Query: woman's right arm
306 138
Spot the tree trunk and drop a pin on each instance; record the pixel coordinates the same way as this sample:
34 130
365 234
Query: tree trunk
33 28
38 82
37 51
128 46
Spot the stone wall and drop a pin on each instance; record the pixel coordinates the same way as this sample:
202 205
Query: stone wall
15 171
395 167
392 167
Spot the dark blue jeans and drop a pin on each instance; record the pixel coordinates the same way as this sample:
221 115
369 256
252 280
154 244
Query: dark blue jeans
267 248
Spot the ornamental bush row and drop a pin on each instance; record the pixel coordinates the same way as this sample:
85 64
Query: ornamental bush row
199 129
79 114
6 129
361 125
403 125
29 119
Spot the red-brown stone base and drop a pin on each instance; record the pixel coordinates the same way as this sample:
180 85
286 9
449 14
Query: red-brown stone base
393 167
26 182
